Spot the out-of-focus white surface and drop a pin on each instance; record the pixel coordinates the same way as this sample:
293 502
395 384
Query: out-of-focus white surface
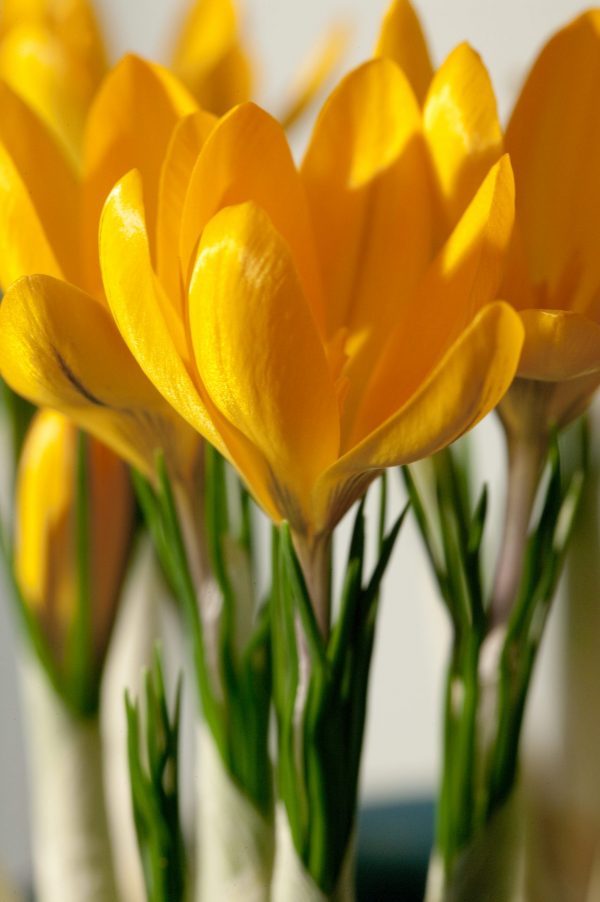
402 742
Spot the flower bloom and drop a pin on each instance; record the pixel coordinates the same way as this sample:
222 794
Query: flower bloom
52 54
308 323
553 275
49 214
308 316
554 266
46 542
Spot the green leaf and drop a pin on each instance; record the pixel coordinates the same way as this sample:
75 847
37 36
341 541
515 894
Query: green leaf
155 788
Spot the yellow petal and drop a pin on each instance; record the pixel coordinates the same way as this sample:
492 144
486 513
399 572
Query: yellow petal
40 68
259 354
60 348
554 142
39 213
129 127
139 307
462 129
366 180
402 40
317 69
186 143
45 562
46 551
559 345
72 22
247 158
209 59
461 280
465 385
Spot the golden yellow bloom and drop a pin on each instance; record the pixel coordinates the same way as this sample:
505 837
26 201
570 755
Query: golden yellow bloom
49 225
305 326
553 274
52 55
46 553
312 325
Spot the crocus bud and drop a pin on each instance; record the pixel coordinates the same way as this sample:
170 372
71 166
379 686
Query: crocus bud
74 517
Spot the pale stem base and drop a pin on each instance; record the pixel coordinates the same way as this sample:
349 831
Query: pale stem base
291 880
490 869
525 464
71 848
235 841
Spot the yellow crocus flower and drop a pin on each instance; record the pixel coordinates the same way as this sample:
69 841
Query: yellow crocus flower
49 224
46 555
554 267
299 320
552 277
52 54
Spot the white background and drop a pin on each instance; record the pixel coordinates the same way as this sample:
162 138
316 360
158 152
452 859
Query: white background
401 751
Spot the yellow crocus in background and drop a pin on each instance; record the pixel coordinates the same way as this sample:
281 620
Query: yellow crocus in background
552 277
52 54
74 520
209 57
554 274
46 540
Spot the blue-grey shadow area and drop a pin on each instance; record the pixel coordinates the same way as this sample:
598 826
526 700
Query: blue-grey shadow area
394 842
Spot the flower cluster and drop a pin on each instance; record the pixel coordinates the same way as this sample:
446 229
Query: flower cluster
172 278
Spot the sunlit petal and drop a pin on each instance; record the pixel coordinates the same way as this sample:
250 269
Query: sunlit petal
140 309
462 128
247 158
259 354
402 40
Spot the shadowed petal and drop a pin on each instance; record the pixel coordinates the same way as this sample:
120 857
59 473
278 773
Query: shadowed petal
60 348
559 345
39 193
464 276
554 142
465 385
129 127
366 179
209 58
186 143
